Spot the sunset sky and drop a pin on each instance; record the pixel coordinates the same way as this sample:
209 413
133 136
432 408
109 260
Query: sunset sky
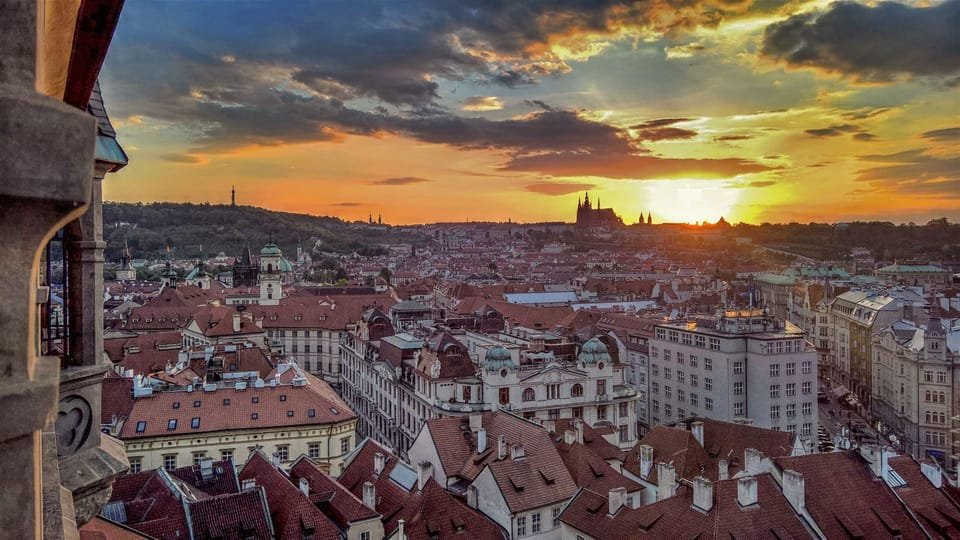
442 110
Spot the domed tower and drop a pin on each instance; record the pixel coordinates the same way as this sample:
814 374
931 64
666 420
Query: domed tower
271 284
498 358
594 353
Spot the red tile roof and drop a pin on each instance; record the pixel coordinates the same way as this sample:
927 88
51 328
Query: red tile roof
116 398
936 511
232 516
100 528
676 517
272 407
292 513
846 499
333 499
428 513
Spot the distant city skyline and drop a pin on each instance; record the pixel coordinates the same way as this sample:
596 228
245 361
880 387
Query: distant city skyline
428 112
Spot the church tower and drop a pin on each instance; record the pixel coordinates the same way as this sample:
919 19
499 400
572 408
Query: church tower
271 284
126 272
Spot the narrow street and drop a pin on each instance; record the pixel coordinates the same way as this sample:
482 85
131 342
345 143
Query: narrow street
834 417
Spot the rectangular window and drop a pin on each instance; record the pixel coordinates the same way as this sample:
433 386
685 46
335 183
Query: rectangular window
667 373
553 414
774 411
655 369
791 389
791 410
170 462
283 452
313 450
535 523
344 445
171 424
681 395
521 525
738 367
198 457
680 358
805 367
602 412
708 404
135 464
680 376
738 409
941 377
365 535
623 410
693 361
714 344
807 387
708 364
774 370
556 516
774 391
807 408
655 405
141 426
578 412
667 392
791 368
694 380
707 383
687 338
699 341
738 388
806 429
195 422
602 387
666 355
694 400
668 410
226 454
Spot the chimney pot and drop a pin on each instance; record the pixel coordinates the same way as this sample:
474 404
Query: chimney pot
747 490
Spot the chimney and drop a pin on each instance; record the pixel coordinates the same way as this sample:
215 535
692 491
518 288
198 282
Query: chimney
305 487
400 534
666 481
369 495
702 494
481 441
236 321
517 452
697 429
550 425
424 472
793 489
751 461
472 496
724 470
379 461
501 447
569 437
578 429
616 498
933 473
476 422
747 491
646 460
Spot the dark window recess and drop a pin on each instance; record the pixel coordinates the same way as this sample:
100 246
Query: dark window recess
141 426
195 422
311 412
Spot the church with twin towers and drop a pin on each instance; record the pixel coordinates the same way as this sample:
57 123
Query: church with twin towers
590 216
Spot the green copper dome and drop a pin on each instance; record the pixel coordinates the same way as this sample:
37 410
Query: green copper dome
285 265
498 358
594 351
270 249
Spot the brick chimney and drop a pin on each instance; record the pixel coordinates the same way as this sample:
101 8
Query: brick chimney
702 494
379 462
793 490
424 472
616 498
369 495
747 491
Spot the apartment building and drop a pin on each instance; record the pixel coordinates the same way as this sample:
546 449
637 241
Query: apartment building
744 366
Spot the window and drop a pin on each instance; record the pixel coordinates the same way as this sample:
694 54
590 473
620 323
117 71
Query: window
680 358
708 383
738 409
792 428
680 376
805 367
289 414
774 391
806 387
655 369
708 364
655 405
576 390
738 367
791 368
807 408
311 413
667 393
553 391
226 454
928 376
694 399
141 426
226 401
255 399
578 412
365 535
602 387
344 445
170 462
806 429
694 379
668 410
623 410
313 450
699 341
667 373
693 361
176 404
708 404
774 411
135 464
521 525
655 387
791 410
553 414
195 422
738 388
774 370
254 416
529 394
198 457
601 412
504 396
791 389
654 352
681 395
942 377
686 338
714 344
196 404
171 424
666 355
283 397
556 516
535 523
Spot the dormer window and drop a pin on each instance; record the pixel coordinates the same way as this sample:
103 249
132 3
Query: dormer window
172 424
176 404
141 426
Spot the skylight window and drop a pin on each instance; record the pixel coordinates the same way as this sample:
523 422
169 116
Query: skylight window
195 422
172 424
141 426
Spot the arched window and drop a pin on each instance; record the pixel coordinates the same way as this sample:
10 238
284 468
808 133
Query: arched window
269 268
529 394
576 390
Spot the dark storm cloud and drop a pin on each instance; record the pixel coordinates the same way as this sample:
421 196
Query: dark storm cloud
945 134
558 188
913 172
870 43
400 181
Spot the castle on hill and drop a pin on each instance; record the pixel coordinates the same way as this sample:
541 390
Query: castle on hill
590 217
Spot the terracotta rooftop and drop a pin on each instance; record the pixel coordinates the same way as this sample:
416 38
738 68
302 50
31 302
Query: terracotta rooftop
332 498
937 512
